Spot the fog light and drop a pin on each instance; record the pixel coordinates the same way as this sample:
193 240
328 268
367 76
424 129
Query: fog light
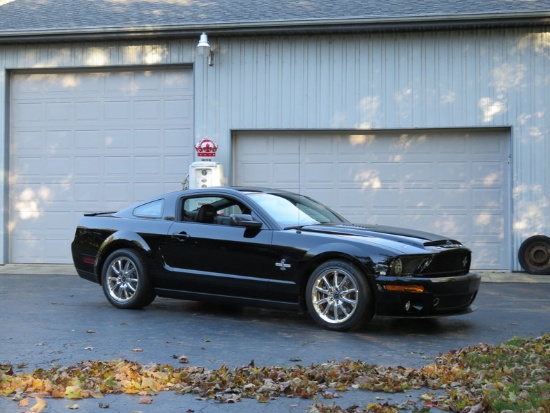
407 306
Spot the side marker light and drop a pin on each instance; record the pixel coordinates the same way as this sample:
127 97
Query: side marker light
406 288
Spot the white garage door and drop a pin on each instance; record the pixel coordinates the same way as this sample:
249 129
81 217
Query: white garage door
452 183
87 142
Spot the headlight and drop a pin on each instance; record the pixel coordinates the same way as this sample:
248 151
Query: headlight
397 267
406 265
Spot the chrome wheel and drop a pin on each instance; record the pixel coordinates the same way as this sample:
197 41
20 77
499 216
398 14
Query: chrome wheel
338 296
122 279
125 281
334 296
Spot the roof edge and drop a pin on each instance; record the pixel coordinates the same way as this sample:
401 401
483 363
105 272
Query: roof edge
309 26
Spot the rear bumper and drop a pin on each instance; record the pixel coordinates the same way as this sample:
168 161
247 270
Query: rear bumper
426 297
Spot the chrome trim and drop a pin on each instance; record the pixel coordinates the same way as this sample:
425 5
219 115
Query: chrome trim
469 276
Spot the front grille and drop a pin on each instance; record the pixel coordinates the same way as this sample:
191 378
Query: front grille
449 263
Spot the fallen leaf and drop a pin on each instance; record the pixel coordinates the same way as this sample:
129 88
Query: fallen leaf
73 392
24 402
73 407
146 400
137 350
39 406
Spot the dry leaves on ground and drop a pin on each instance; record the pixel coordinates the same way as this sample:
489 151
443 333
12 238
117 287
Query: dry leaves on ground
482 378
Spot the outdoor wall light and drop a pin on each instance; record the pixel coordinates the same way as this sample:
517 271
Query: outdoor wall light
204 49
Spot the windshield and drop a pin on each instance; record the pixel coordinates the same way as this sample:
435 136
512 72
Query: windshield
291 210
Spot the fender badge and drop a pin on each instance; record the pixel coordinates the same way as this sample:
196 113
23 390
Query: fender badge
282 265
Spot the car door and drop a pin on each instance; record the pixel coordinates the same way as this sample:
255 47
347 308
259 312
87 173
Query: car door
205 254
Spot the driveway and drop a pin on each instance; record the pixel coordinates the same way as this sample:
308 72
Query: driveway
58 319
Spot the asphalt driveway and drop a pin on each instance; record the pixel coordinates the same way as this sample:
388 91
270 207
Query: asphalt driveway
58 319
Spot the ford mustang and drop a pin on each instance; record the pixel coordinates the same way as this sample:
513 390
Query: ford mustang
271 248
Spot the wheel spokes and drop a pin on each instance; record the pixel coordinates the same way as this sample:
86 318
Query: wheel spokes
335 296
122 279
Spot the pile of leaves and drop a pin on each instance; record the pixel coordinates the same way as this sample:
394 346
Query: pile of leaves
511 376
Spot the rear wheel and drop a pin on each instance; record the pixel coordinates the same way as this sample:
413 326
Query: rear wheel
125 280
534 255
338 296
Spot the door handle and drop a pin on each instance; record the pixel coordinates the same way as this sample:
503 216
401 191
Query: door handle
181 235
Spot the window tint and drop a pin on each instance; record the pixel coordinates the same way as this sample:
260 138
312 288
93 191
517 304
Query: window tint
211 210
150 210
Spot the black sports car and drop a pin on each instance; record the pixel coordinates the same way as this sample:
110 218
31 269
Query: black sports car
271 248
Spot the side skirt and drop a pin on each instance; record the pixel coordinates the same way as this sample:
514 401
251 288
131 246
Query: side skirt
225 299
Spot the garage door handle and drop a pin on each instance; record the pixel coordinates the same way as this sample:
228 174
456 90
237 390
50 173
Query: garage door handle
181 235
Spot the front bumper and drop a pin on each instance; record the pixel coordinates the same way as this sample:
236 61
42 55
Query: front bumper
425 297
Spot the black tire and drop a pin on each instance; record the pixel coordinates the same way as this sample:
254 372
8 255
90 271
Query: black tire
125 280
338 296
534 255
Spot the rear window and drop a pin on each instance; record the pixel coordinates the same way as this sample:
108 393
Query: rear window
150 209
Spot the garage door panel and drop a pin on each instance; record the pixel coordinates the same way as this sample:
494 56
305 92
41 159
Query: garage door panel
58 166
286 173
320 173
116 191
148 109
29 112
486 199
487 173
87 139
86 166
115 139
285 147
176 109
178 138
86 191
114 166
417 173
440 181
488 254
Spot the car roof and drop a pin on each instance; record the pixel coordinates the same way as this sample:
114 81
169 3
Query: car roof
233 189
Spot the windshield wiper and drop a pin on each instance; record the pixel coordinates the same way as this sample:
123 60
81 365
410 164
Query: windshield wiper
294 227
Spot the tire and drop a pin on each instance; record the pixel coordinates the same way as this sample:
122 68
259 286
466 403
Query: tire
534 255
338 296
125 281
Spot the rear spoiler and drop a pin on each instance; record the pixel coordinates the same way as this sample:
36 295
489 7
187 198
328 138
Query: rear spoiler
95 214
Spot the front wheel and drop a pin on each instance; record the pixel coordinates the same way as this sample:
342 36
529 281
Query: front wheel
338 296
125 280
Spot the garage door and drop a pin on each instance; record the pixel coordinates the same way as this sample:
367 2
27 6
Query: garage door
452 183
88 142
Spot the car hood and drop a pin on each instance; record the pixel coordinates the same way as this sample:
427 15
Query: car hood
412 237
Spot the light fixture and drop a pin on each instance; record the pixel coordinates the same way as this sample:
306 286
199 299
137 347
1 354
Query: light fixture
203 48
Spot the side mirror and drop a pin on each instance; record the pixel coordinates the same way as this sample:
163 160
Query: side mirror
244 220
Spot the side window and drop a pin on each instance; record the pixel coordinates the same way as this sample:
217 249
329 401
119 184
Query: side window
210 210
150 209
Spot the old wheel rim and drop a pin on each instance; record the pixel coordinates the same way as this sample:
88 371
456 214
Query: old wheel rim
335 296
537 256
122 280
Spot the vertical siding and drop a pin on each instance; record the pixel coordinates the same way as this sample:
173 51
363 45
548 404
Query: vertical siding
417 80
457 79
